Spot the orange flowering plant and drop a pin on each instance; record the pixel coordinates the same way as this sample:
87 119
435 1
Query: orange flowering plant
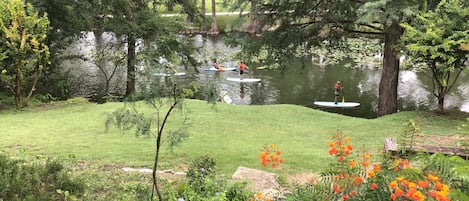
393 179
271 155
357 177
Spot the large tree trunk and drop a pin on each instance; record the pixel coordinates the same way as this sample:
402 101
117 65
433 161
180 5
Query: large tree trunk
214 29
131 71
387 102
441 99
204 19
254 15
19 87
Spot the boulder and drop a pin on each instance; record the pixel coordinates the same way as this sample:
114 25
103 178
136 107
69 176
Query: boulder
258 180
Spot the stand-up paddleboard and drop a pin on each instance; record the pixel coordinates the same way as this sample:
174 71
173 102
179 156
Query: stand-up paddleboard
166 74
237 79
339 104
222 69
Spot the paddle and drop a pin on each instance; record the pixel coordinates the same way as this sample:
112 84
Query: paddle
342 92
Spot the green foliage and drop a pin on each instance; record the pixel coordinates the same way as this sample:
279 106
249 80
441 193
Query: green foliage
199 170
407 137
24 179
205 185
435 39
25 54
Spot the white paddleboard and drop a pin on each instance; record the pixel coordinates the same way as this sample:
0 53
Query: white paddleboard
339 104
166 74
237 79
222 69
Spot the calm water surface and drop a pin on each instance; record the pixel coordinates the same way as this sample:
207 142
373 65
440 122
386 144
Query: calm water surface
306 81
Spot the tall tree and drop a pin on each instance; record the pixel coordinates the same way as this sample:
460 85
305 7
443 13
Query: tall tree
305 24
214 28
435 40
135 20
204 19
254 16
69 20
24 52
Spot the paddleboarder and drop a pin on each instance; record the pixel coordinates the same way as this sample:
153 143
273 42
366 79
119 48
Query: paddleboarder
337 90
242 66
217 66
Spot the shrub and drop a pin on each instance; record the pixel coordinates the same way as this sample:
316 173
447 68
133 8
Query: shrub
24 180
204 185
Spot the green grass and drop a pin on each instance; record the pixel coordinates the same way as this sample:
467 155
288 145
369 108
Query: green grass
233 135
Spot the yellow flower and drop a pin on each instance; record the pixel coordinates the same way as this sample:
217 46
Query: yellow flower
393 184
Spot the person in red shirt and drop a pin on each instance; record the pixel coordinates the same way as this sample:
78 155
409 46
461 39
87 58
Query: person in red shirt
337 90
217 66
242 67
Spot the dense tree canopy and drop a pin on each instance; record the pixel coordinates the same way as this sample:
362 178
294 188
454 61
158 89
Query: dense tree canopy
23 33
436 39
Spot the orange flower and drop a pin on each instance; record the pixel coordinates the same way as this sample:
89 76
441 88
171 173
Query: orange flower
410 192
376 167
336 188
278 152
345 197
412 185
366 156
400 179
331 144
432 193
347 152
347 139
371 174
418 196
374 186
393 196
353 163
353 193
341 158
365 163
393 184
423 184
338 142
432 177
259 195
399 192
349 147
358 180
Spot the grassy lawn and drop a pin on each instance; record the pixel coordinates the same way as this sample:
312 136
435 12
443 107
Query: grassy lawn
233 135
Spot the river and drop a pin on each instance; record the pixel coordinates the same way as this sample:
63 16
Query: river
306 81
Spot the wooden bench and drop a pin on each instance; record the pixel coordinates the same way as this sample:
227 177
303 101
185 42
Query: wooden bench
391 146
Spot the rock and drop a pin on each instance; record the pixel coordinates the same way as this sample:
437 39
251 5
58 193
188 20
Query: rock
258 180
